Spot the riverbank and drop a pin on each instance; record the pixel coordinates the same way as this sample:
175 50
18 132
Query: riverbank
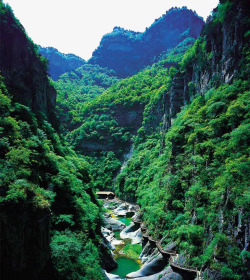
125 251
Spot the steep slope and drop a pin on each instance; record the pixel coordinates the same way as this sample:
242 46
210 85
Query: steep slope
77 87
49 219
24 72
60 63
110 120
127 52
189 127
189 174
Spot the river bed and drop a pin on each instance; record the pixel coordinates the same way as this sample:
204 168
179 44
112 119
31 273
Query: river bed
125 263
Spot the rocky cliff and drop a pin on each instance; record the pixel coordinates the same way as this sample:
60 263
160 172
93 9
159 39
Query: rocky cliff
23 68
127 52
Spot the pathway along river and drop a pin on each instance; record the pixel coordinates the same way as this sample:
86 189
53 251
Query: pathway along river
126 264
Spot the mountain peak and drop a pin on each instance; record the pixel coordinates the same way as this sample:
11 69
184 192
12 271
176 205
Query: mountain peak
127 52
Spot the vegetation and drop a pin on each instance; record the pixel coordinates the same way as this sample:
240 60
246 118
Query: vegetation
172 138
110 120
77 87
42 177
132 250
37 168
60 63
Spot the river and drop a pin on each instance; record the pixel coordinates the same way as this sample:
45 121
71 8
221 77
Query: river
127 261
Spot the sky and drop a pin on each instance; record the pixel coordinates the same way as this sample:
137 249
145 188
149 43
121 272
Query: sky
77 26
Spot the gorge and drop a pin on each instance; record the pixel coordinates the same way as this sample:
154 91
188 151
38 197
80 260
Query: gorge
161 119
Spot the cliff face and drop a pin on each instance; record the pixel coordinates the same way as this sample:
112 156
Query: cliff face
218 59
22 68
60 63
127 52
187 171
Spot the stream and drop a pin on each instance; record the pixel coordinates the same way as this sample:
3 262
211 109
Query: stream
126 263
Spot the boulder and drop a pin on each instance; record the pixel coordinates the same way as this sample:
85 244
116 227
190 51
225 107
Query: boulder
113 224
151 267
109 276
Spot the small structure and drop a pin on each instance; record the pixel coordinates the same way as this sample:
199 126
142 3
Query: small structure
105 195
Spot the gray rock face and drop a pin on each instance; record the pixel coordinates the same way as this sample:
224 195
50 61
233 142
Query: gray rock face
151 267
114 224
133 233
109 276
166 274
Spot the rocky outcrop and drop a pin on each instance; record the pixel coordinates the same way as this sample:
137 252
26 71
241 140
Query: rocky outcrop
166 274
133 233
114 224
152 266
127 52
22 68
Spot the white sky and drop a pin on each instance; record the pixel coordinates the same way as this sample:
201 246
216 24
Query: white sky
77 26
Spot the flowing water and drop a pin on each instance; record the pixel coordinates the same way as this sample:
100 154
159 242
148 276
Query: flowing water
125 263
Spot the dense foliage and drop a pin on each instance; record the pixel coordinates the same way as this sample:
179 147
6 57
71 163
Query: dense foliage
191 180
41 180
77 87
172 138
200 177
38 169
110 120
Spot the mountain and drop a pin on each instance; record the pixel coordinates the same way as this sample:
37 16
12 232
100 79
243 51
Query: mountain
173 139
185 125
50 220
60 63
127 52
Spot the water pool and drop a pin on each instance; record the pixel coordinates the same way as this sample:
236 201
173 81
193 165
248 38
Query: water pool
125 266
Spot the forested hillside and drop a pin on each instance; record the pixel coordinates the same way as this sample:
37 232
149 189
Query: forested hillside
49 220
189 129
111 120
77 87
161 118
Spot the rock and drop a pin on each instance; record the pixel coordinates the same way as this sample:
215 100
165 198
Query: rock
130 214
111 204
121 210
171 275
116 242
121 213
166 274
131 228
107 215
132 208
136 239
133 233
108 262
114 224
106 232
109 276
151 267
146 252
